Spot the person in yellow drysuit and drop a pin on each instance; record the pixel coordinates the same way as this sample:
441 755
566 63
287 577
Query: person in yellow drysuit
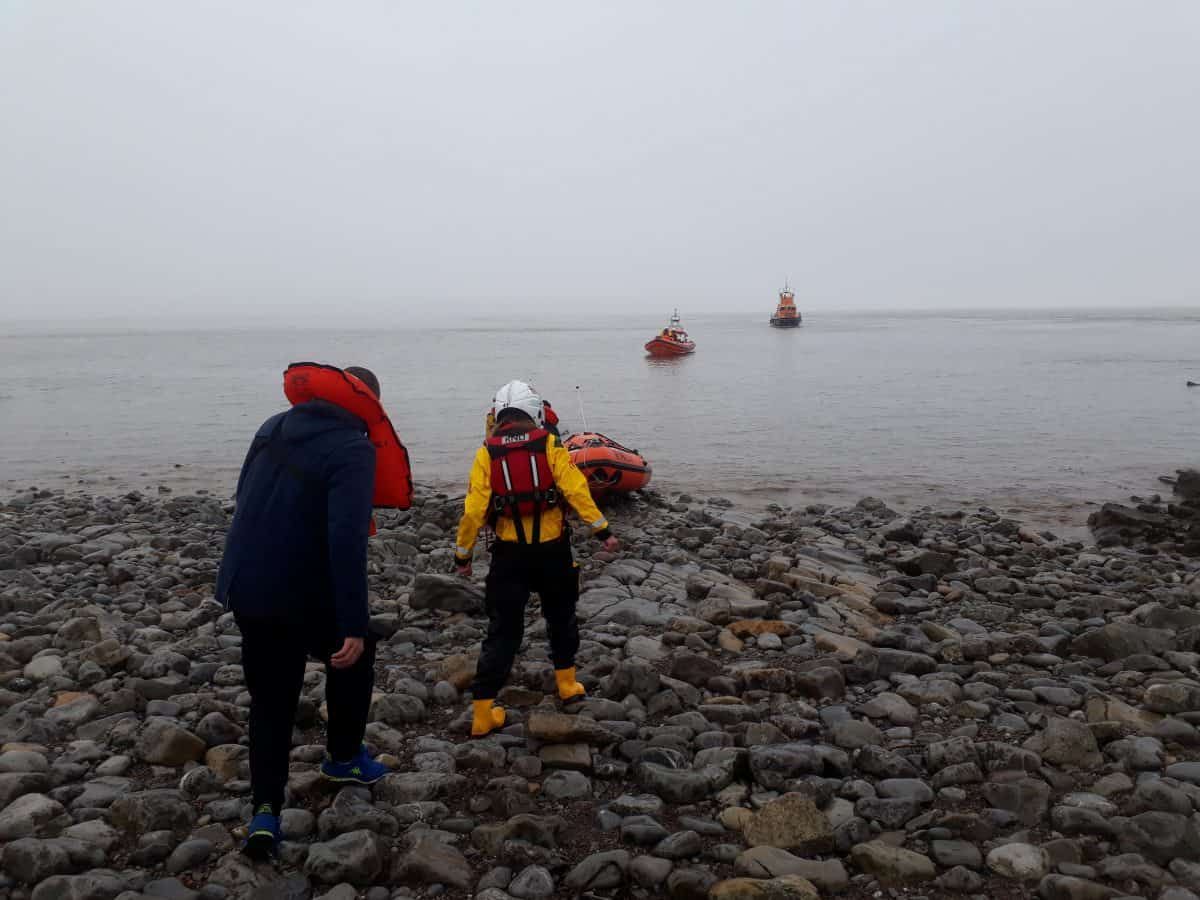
519 481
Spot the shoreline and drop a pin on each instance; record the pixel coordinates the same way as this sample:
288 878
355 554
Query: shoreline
843 700
1065 511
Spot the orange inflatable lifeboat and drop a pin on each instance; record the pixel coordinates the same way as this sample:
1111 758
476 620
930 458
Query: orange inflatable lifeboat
609 467
307 381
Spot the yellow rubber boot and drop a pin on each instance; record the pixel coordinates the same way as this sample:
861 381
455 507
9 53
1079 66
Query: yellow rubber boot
568 687
488 717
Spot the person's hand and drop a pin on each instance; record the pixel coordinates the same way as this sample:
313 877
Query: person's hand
611 544
463 570
352 649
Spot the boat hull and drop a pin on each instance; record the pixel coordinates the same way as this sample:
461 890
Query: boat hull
608 467
659 347
785 322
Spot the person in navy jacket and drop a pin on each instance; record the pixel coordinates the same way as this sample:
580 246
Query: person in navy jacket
294 574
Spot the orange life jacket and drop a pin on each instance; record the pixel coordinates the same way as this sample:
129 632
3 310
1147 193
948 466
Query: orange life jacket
307 381
522 481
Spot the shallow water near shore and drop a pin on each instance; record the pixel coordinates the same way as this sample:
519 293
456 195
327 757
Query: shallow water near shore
1039 414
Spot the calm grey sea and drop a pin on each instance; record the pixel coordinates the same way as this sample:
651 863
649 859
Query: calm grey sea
1038 413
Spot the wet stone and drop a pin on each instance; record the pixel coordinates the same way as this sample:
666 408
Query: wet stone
955 853
680 845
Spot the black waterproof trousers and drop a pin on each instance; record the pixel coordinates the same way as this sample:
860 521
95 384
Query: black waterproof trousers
273 659
516 571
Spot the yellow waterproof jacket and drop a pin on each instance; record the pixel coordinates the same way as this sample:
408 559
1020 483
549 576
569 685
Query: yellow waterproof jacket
572 487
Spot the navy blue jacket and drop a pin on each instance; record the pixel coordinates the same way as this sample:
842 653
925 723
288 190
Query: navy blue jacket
297 548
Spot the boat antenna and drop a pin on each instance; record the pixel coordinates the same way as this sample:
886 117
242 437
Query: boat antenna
582 415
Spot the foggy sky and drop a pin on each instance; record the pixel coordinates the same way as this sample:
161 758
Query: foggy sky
383 160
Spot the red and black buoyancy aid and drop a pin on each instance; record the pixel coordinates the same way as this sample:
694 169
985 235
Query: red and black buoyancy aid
522 481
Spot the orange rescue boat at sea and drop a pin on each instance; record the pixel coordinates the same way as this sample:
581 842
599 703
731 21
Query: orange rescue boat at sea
786 314
671 341
608 467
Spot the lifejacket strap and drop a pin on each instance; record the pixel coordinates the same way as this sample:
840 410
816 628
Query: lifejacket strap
524 489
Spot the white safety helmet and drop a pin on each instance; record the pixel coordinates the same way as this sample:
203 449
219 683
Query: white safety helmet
522 396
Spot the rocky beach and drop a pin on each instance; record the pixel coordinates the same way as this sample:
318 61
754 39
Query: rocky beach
828 701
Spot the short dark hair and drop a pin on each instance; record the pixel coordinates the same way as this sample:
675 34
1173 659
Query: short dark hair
366 376
513 415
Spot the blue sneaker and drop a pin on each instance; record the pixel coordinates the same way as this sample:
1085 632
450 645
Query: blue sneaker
262 839
359 770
